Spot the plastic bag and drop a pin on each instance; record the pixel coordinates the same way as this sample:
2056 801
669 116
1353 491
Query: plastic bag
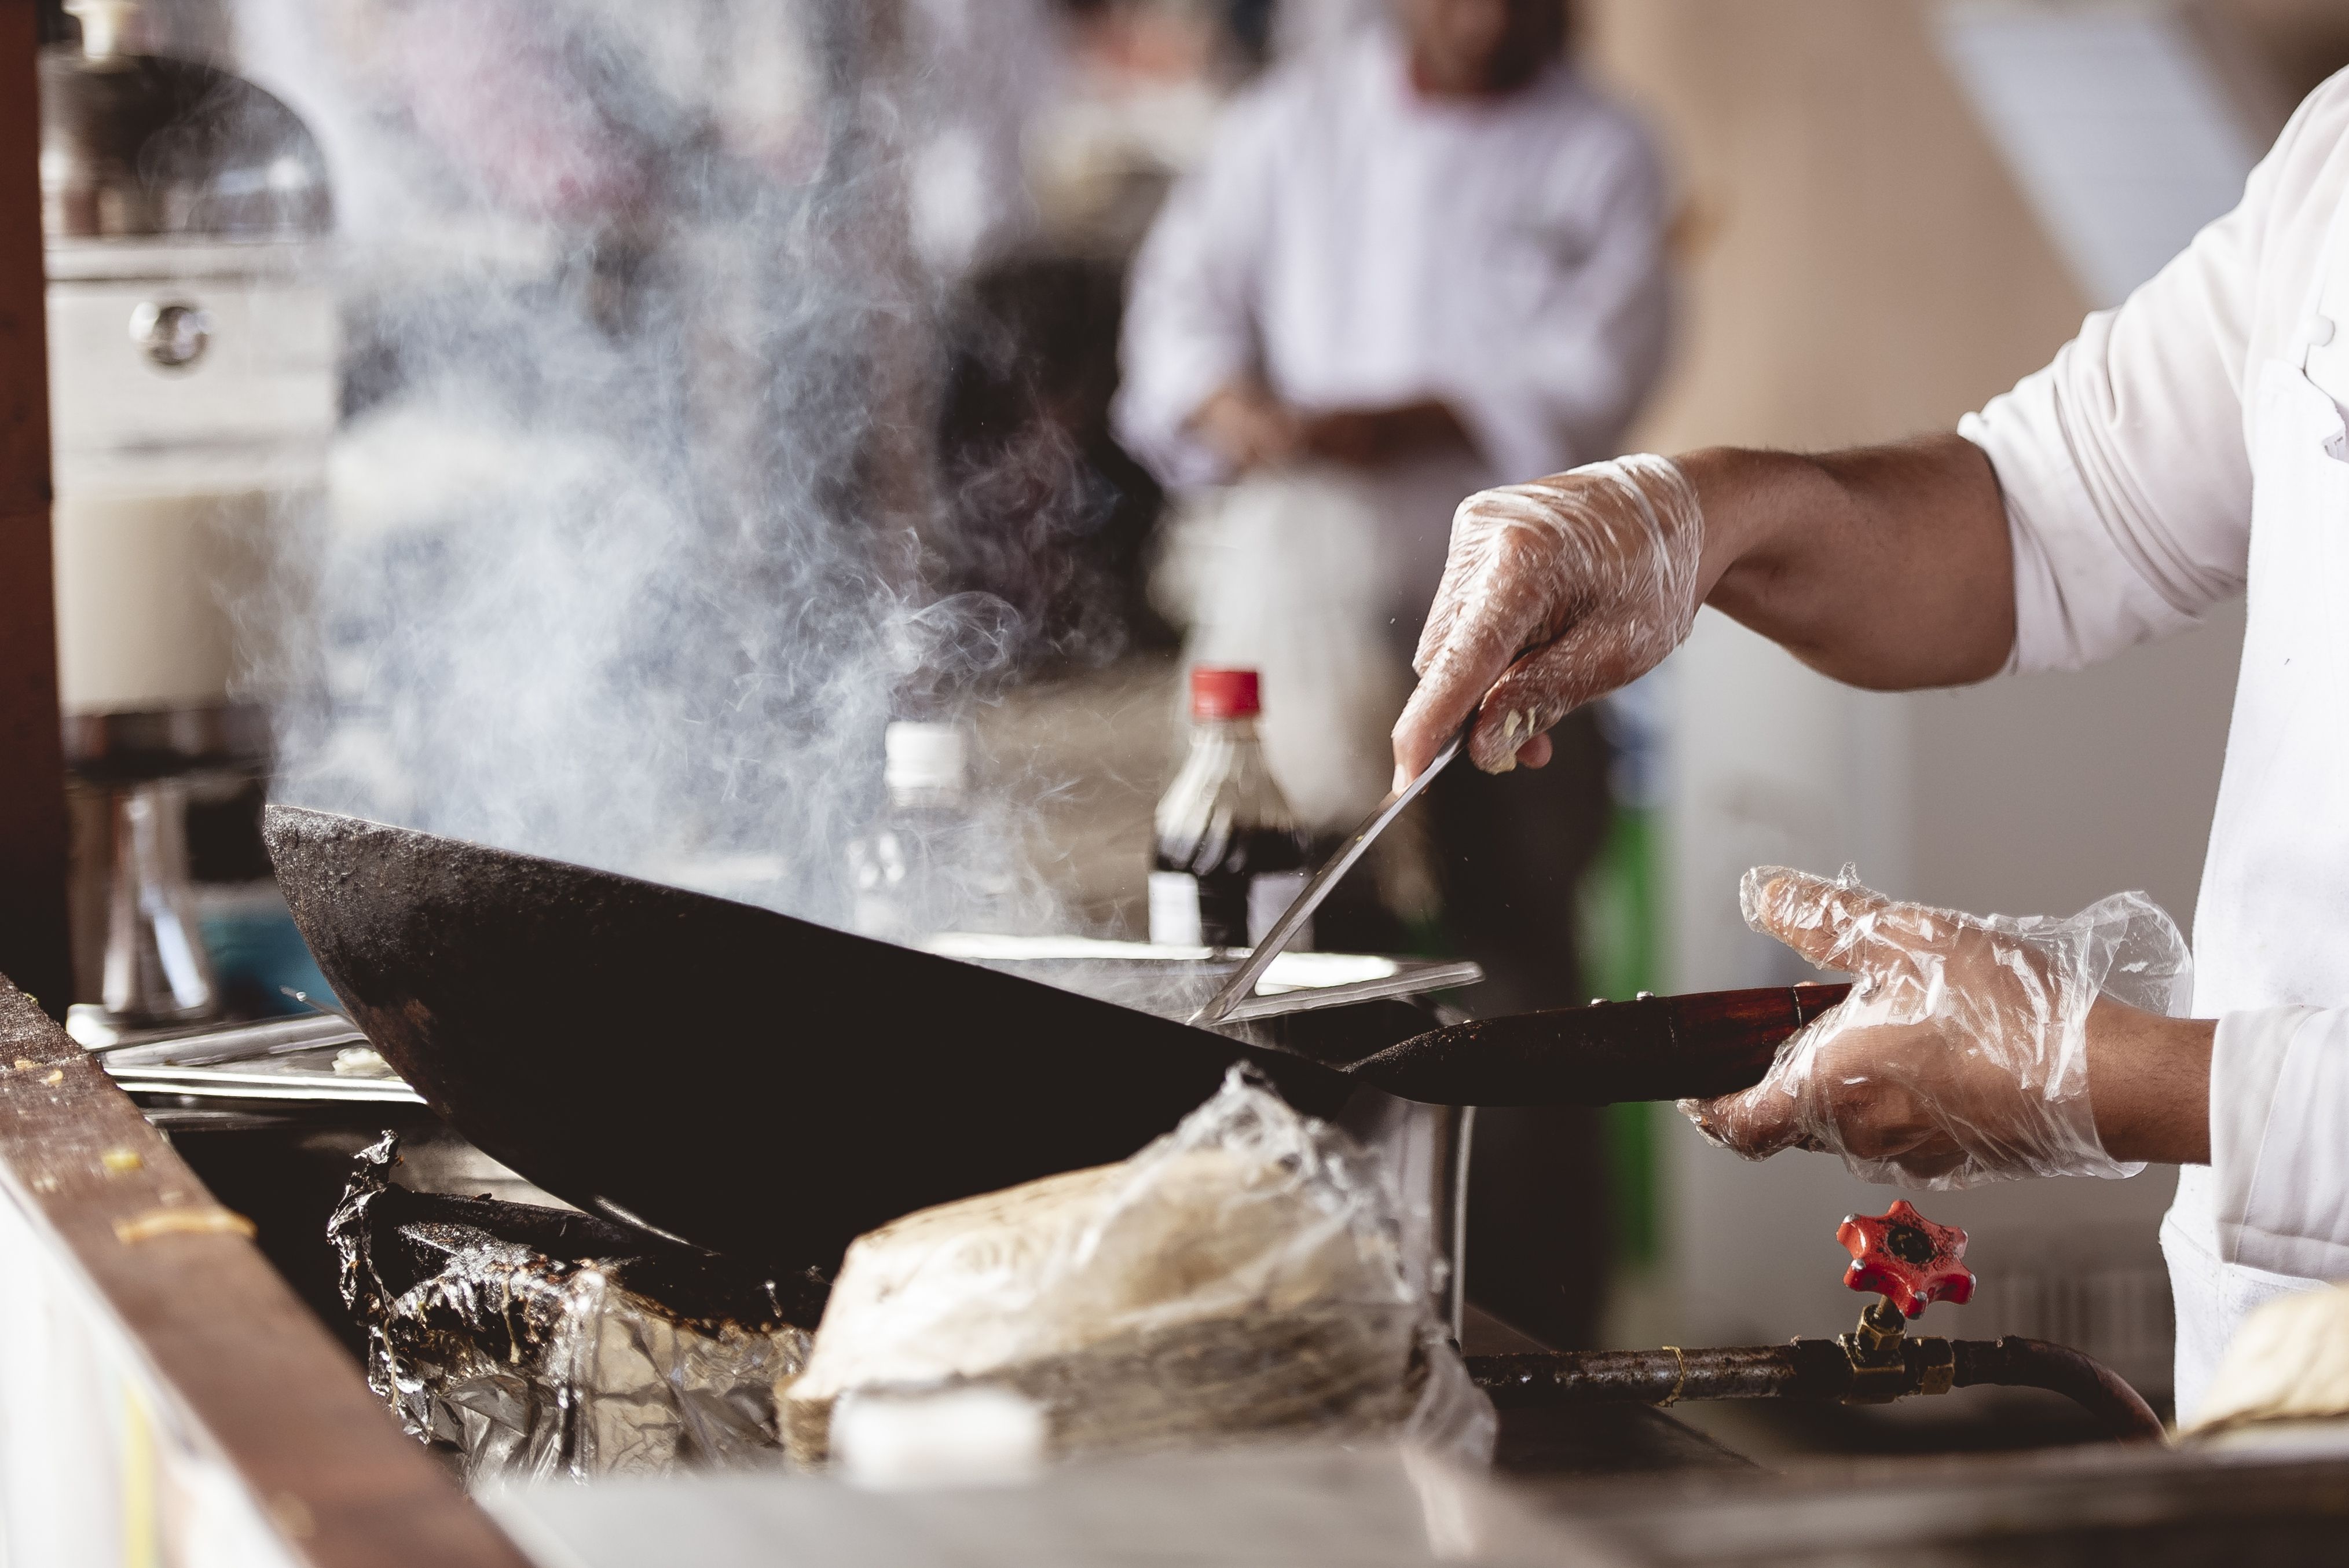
1241 1278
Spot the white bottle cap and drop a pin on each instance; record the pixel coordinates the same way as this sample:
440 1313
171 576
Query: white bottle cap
926 756
967 1437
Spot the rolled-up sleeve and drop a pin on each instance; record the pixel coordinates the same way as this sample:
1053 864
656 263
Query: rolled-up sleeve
2280 1140
1560 386
1190 316
2126 478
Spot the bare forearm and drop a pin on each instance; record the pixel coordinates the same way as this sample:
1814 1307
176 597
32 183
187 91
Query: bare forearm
1885 566
2149 1084
1367 438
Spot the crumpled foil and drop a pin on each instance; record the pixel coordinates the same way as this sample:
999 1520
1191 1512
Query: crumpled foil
538 1343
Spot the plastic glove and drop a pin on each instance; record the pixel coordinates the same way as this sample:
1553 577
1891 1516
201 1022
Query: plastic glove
1961 1055
1555 593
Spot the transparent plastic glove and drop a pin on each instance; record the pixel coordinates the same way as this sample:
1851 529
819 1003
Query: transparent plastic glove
1961 1055
1555 593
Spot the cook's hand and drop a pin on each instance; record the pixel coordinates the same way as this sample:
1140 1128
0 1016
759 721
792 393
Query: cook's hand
1961 1055
1249 427
1555 593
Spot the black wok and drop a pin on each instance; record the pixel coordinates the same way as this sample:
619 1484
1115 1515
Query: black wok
740 1079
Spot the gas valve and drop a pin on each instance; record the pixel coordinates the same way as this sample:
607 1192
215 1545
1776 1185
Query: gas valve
1912 1262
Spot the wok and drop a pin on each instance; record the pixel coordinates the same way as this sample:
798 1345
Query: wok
719 1073
758 1085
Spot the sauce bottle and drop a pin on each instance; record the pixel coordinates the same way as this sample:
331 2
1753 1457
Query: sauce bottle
1230 856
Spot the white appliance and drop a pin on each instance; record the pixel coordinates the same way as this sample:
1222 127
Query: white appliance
192 394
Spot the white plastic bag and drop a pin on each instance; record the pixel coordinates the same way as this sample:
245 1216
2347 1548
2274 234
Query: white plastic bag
1241 1278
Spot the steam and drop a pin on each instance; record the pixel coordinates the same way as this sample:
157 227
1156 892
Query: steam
631 548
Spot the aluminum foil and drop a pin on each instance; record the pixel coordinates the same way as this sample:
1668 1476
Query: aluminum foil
529 1363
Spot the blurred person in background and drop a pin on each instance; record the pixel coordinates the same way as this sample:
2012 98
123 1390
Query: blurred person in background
1420 257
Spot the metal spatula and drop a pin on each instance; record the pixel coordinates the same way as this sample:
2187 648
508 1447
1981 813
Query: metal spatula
1270 945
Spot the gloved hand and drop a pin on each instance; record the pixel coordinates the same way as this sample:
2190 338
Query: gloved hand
1555 592
1961 1055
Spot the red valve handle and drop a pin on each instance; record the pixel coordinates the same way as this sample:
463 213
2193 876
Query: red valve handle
1907 1258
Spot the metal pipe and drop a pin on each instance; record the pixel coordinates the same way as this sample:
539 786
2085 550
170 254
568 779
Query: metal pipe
1812 1369
1455 1220
1661 1376
2017 1362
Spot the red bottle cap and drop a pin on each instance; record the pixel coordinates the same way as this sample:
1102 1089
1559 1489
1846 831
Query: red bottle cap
1224 693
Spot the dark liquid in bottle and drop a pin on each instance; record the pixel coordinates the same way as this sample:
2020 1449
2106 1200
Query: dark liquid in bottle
1223 870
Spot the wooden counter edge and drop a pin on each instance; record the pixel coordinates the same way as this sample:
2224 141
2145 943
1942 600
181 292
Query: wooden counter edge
258 1375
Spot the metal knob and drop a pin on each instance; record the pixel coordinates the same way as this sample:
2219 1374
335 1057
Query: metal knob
1906 1258
174 334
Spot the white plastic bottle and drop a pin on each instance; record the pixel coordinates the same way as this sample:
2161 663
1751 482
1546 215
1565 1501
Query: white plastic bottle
903 870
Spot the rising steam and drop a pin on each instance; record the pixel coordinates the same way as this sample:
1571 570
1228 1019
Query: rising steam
626 555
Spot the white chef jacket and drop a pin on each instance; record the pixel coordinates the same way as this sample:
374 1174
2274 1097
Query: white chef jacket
1357 245
2185 447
